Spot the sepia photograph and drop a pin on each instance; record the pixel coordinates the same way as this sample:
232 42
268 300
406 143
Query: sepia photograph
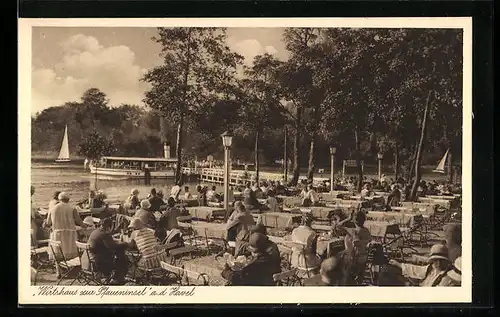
200 154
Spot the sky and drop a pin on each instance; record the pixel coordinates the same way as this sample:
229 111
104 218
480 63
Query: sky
66 61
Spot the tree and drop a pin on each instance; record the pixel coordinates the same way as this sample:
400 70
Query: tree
198 68
94 146
296 85
261 108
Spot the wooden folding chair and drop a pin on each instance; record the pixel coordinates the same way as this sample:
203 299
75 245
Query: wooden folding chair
287 278
173 272
191 278
38 262
67 266
90 275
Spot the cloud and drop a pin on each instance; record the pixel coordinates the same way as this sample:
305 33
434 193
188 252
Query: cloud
250 48
86 64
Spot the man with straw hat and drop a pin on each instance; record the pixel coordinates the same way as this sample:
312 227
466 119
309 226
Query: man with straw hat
146 216
433 274
133 200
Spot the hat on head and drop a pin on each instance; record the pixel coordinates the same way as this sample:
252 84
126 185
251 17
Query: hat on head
134 191
257 241
456 273
63 196
136 223
89 221
145 204
438 252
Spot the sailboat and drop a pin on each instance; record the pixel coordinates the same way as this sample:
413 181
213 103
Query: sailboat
64 152
441 166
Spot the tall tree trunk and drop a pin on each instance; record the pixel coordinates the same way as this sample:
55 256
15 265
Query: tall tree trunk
358 161
296 148
178 169
312 159
418 161
396 161
450 166
256 157
411 163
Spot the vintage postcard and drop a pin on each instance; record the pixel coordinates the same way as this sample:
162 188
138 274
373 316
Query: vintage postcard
178 161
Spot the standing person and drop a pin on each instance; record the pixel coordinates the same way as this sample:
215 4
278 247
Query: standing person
147 175
304 240
175 192
433 274
63 220
54 201
359 237
107 254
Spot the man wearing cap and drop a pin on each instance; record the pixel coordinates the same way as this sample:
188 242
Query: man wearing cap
107 254
145 214
259 270
63 220
433 274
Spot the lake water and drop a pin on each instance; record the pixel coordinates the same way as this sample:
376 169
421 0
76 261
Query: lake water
71 178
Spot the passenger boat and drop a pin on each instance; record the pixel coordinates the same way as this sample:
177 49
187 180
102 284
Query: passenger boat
134 167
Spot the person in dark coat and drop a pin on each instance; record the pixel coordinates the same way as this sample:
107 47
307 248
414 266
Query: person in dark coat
331 273
259 270
155 201
108 255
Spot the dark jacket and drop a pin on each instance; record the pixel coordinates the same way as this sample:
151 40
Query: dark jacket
102 249
156 202
259 272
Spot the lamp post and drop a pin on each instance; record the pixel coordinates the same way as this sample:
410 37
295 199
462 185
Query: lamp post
227 140
380 156
333 149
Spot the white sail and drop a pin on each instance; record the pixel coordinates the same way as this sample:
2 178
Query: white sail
442 163
64 152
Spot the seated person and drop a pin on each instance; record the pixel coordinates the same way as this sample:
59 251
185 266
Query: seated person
272 203
309 196
304 246
187 194
213 196
132 201
202 195
239 220
107 254
366 191
242 243
145 214
175 192
143 239
433 274
250 200
168 220
155 201
357 238
394 197
330 274
259 270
